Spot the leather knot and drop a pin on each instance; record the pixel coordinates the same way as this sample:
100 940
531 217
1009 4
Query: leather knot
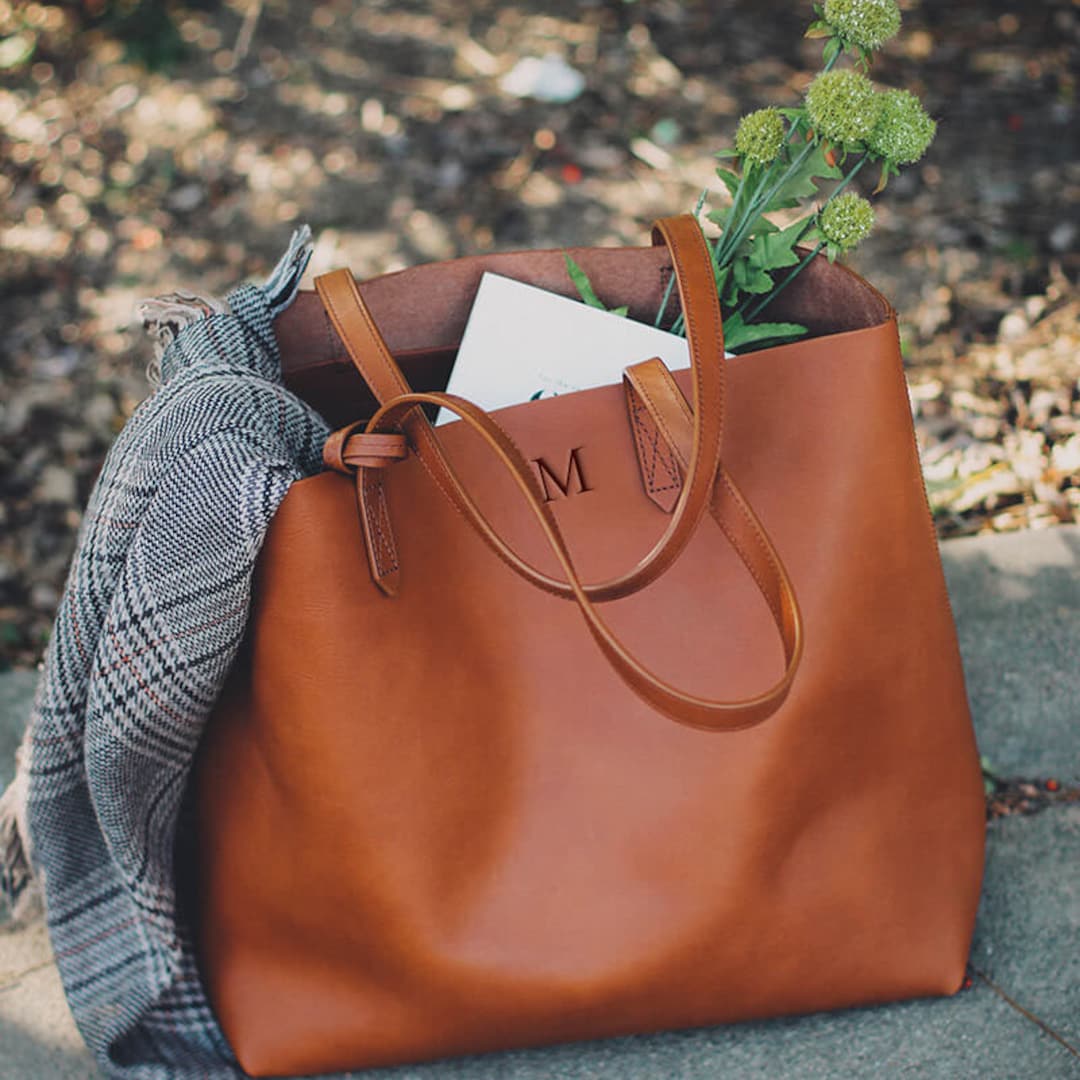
350 448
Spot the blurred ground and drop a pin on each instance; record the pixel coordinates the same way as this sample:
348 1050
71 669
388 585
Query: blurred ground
142 150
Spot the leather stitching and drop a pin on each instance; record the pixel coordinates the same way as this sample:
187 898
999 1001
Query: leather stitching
649 451
657 419
755 527
380 528
755 531
422 432
690 314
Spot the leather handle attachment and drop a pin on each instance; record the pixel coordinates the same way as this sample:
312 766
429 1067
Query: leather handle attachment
728 506
704 330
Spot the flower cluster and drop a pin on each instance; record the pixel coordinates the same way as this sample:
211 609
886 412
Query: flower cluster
867 24
845 222
843 106
903 130
760 135
804 159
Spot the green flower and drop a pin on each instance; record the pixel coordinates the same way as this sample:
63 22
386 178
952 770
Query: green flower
865 23
759 137
843 106
903 131
846 221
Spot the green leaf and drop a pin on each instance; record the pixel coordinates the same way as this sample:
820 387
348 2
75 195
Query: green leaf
887 169
719 217
833 48
583 284
751 278
731 181
726 289
776 250
587 292
738 334
800 184
731 152
763 225
819 29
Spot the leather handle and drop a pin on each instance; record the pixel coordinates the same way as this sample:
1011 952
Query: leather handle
729 507
704 330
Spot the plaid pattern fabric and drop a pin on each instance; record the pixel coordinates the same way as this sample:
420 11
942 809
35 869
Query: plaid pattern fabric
153 611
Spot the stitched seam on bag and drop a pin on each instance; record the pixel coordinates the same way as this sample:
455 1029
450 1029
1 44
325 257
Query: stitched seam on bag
428 436
636 411
361 310
777 613
380 527
913 444
663 460
655 416
691 322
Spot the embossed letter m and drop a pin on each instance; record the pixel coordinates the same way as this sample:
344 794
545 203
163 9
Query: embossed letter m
573 482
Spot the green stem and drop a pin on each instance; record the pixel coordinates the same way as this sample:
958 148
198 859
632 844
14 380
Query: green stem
759 205
838 190
760 307
664 303
847 179
734 221
671 281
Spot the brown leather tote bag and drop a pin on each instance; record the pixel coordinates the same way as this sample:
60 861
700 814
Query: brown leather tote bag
534 738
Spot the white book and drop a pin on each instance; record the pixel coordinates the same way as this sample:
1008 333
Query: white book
522 343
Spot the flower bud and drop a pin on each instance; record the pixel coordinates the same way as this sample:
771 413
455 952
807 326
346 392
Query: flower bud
903 131
865 23
846 221
760 136
843 106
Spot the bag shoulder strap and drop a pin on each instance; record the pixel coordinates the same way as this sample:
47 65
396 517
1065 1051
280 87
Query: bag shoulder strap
729 507
697 292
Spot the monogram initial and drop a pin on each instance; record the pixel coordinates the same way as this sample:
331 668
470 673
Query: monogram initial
572 483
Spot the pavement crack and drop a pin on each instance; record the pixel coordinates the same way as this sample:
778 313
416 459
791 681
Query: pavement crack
8 982
1008 797
1026 1013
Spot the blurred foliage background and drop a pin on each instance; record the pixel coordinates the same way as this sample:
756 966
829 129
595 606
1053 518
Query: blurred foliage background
150 146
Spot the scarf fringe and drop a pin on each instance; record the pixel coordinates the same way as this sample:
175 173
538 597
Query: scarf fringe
19 891
164 317
280 287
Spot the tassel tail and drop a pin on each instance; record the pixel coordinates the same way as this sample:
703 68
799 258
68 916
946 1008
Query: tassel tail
19 891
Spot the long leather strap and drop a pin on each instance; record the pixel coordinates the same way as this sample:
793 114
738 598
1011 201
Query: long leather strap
656 391
704 330
738 522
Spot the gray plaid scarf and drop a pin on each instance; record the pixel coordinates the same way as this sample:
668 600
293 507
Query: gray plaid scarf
152 613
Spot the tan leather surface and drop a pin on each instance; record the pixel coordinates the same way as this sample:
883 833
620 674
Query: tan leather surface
439 823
